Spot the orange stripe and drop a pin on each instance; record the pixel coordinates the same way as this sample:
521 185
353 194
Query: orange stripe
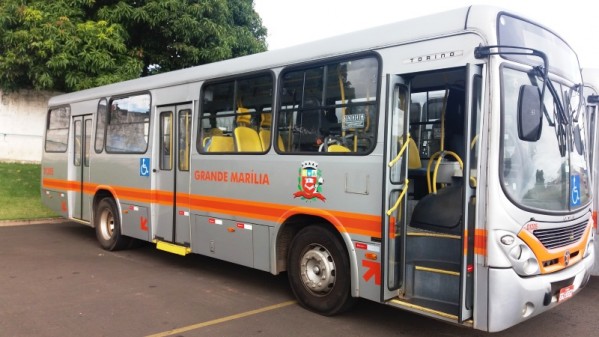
480 242
61 184
465 242
356 223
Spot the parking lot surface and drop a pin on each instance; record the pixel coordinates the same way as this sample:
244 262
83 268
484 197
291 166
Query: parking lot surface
55 280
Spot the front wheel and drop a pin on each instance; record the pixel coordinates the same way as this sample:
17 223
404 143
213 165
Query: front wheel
108 226
318 271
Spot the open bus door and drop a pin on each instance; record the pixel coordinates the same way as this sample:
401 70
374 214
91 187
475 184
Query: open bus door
172 177
82 126
430 191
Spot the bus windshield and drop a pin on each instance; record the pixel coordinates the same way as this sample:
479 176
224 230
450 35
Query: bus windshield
513 31
550 174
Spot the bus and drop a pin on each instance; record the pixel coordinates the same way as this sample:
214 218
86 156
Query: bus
590 78
436 168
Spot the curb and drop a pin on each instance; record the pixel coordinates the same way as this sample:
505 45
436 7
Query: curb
25 222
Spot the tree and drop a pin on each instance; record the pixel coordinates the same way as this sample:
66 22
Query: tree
70 45
175 34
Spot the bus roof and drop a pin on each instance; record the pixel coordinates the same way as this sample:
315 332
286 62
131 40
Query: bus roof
374 38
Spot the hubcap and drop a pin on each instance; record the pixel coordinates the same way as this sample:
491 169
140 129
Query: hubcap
318 270
107 224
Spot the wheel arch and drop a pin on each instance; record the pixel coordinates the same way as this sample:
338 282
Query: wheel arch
292 225
101 193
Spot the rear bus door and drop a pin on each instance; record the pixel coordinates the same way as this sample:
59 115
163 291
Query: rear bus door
82 126
172 174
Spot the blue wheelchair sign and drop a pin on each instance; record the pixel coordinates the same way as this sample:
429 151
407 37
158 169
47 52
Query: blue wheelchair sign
575 191
144 167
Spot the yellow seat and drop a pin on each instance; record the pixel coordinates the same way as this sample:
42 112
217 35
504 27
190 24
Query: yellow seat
213 132
247 140
244 120
265 123
413 156
264 138
219 144
266 120
337 148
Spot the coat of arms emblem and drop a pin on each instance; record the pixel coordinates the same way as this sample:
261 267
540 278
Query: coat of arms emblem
309 182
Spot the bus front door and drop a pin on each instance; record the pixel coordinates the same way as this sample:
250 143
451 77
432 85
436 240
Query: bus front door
430 191
172 176
82 126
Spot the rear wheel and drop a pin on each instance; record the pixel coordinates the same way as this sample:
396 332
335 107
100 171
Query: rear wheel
318 271
108 226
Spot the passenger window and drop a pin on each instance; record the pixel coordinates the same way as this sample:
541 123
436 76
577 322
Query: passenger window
329 108
128 124
236 116
101 117
77 137
57 131
184 139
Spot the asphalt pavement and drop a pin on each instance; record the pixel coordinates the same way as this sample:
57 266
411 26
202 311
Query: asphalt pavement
55 280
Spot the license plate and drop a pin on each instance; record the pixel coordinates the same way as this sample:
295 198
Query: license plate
565 293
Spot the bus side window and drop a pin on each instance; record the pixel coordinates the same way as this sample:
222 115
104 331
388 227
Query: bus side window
101 117
231 115
57 131
330 108
128 124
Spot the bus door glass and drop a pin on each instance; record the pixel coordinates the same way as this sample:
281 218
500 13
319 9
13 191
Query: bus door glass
430 193
172 183
396 185
82 126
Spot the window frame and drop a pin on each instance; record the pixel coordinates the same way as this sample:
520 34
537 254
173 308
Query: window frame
148 122
323 63
68 128
234 80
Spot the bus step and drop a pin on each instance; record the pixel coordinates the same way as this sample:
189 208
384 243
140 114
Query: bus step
433 308
435 281
172 248
446 268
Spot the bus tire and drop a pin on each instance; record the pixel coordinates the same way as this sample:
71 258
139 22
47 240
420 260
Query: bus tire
108 226
318 271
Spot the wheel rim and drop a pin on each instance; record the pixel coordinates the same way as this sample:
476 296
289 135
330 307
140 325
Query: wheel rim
317 270
106 224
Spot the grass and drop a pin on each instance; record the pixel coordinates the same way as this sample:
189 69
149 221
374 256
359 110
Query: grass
20 192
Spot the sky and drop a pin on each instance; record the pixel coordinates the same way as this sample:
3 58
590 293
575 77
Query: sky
292 22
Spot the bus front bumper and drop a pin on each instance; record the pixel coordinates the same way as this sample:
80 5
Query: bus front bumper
514 299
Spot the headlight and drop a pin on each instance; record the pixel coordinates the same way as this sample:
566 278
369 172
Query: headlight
523 260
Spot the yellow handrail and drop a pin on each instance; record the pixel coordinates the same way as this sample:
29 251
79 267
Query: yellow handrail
441 155
401 195
443 119
401 151
342 90
428 169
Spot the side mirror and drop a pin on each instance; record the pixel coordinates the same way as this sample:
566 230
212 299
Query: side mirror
530 116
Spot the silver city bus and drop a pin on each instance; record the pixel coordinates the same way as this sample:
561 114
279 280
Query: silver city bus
437 168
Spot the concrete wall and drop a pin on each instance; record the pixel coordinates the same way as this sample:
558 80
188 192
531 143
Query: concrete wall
22 123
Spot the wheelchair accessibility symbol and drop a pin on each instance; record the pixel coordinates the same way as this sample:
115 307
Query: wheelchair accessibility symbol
144 167
575 191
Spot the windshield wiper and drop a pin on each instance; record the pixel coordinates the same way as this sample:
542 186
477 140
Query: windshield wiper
575 103
547 83
561 119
